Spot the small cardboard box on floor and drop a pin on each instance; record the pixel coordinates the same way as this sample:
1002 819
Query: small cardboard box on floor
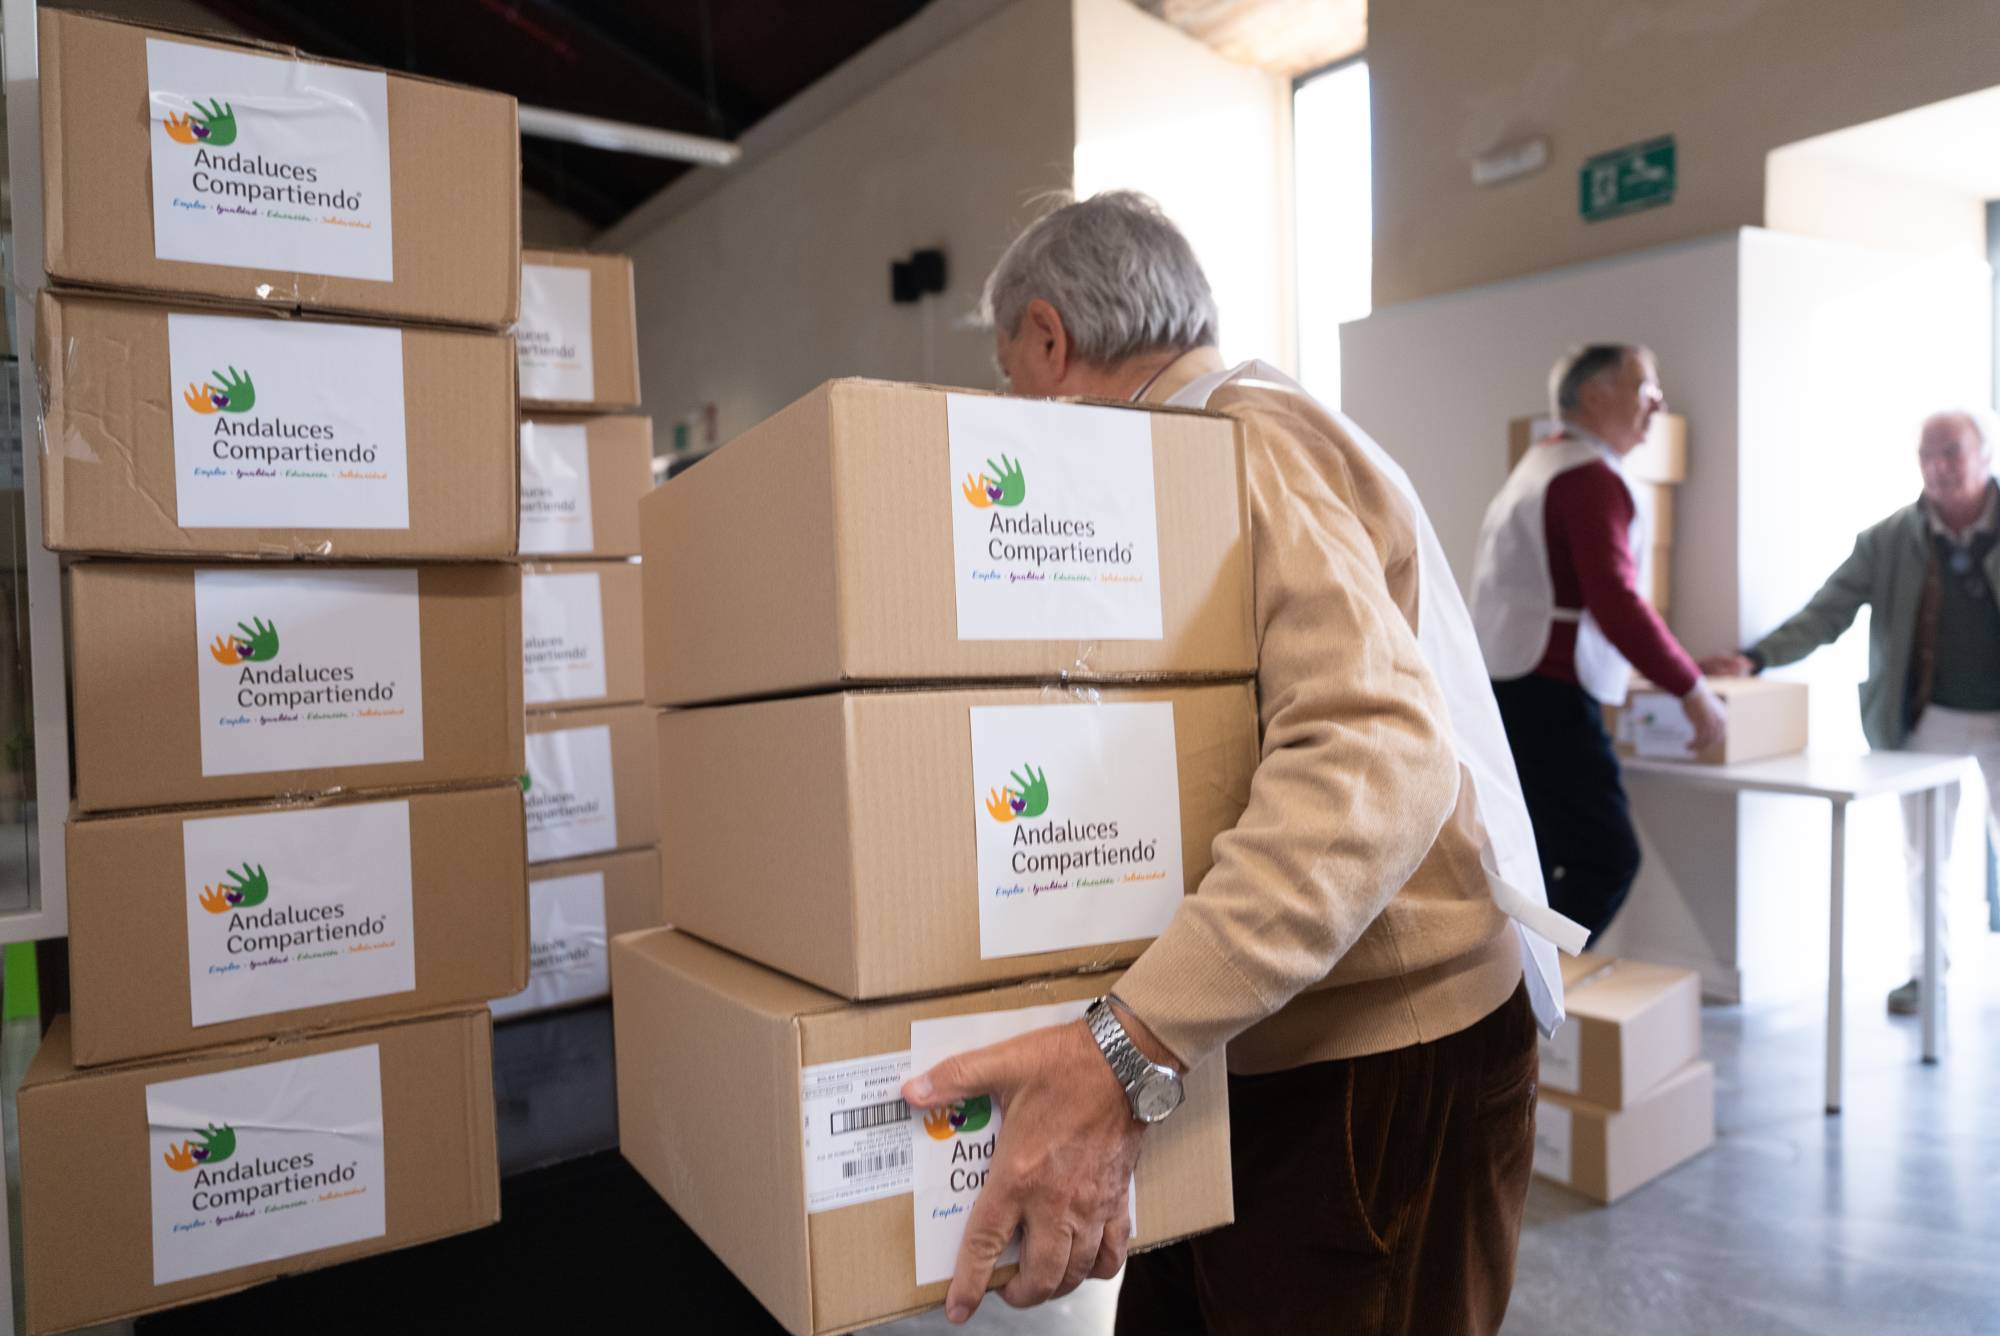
592 781
581 480
879 533
1606 1153
210 926
178 432
579 332
149 1185
575 908
581 638
1631 1025
1767 718
882 843
202 684
241 171
767 1114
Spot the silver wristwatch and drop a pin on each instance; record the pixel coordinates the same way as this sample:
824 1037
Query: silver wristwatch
1153 1091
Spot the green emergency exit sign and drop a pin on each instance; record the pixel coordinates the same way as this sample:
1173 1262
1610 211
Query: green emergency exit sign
1625 180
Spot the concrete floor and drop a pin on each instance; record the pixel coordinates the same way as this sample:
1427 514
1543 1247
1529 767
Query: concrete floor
1883 1220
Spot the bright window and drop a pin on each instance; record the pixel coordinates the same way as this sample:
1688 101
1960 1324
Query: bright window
1335 216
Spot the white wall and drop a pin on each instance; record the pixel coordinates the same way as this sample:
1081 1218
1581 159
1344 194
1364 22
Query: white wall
1159 112
775 276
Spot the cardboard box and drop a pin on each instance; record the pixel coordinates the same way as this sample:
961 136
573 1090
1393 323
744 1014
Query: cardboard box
592 781
581 637
714 1056
1660 460
1663 457
1660 579
385 1137
195 928
851 539
1659 508
1606 1153
581 480
371 194
852 840
1631 1025
579 331
203 684
575 908
1767 718
138 459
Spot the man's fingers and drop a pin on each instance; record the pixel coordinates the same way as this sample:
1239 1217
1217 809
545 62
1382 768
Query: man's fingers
989 1228
984 1071
1111 1252
1084 1247
1045 1247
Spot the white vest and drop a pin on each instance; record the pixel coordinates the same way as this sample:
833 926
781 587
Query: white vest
1450 650
1513 595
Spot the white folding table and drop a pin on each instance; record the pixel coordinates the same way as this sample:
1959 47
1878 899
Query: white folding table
1842 779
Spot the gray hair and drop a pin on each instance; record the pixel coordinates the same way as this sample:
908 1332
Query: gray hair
1117 270
1581 365
1983 421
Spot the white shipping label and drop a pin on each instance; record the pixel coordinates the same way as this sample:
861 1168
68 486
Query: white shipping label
266 1162
287 424
555 489
306 669
954 1145
1078 814
1554 1137
571 793
562 637
552 342
1660 728
1561 1058
857 1130
567 952
269 164
1054 529
297 909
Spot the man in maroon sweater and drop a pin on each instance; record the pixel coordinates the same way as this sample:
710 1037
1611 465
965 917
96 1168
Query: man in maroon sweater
1555 600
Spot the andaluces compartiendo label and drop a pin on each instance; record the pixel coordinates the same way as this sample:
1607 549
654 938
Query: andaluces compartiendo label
283 424
307 669
265 1162
552 340
297 909
1055 534
269 164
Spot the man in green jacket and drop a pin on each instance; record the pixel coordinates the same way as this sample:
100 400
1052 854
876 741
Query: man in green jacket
1929 572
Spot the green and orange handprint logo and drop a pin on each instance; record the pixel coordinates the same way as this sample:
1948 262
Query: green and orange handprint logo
233 393
1026 797
256 643
239 890
960 1119
210 1148
212 126
1002 484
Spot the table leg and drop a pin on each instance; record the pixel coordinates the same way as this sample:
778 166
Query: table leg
1835 953
1933 981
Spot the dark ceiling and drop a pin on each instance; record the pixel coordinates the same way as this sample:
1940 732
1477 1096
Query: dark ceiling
708 67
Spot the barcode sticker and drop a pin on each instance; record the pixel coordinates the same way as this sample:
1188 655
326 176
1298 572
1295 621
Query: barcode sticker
857 1130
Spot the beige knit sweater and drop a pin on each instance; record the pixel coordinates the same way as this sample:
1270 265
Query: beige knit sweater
1347 912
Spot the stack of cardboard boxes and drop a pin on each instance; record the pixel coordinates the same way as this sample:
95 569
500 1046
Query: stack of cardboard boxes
957 704
277 433
1625 1092
586 459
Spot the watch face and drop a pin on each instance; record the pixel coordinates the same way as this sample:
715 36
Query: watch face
1158 1095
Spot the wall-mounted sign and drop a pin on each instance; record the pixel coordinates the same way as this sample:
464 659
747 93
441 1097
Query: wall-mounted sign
1625 180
